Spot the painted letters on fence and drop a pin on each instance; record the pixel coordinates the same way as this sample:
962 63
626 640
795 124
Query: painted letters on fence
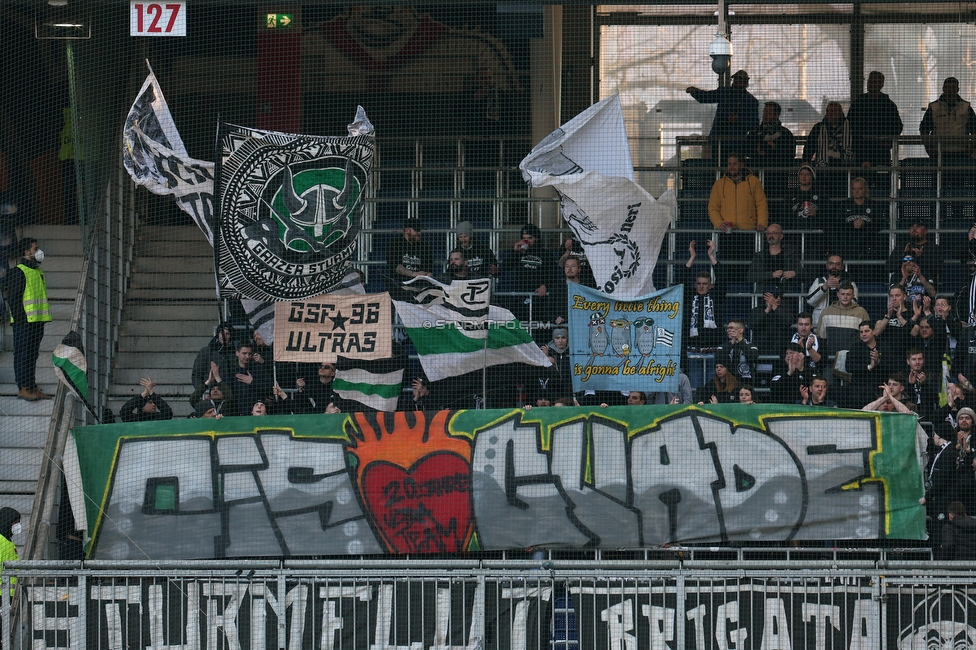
858 611
448 481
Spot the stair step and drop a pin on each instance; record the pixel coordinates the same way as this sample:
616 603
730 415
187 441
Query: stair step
150 250
169 392
49 233
175 311
132 327
171 234
24 430
60 248
9 488
162 343
44 374
19 464
157 293
162 376
137 360
10 405
174 281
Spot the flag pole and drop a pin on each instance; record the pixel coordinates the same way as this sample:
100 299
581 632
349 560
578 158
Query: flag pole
484 367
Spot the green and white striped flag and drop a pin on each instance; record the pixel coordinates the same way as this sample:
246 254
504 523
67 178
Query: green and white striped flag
451 344
70 365
373 383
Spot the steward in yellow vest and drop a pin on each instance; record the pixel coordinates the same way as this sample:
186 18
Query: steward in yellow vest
29 310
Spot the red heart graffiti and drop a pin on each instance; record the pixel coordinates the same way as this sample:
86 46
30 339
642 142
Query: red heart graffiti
426 509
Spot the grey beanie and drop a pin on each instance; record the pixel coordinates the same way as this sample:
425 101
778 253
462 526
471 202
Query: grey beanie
465 228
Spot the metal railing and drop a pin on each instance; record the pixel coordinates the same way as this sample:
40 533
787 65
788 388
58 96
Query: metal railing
680 598
108 240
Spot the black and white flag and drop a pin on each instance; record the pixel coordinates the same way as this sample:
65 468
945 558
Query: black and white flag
621 226
290 209
155 157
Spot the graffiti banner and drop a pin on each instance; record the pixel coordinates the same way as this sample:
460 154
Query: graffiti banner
625 345
290 208
450 481
356 326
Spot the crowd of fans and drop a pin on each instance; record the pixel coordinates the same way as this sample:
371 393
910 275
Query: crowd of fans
917 354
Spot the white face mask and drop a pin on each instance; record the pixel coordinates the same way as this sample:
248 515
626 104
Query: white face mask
16 528
39 256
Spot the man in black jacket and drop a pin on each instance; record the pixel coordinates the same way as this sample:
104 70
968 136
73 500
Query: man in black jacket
146 406
739 356
940 484
958 535
219 350
874 122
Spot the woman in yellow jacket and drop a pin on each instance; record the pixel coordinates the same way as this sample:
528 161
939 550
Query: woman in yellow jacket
738 201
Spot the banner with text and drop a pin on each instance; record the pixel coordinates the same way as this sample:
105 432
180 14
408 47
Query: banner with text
619 477
625 345
320 329
429 610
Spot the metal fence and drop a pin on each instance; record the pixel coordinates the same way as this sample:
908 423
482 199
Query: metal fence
675 601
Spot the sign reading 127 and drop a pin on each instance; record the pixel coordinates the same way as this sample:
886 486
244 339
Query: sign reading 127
157 18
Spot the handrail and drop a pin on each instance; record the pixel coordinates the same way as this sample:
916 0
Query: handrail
40 522
112 244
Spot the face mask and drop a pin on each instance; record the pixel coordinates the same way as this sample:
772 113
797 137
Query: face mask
39 256
15 529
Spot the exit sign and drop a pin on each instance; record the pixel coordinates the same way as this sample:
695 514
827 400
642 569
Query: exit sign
157 18
279 21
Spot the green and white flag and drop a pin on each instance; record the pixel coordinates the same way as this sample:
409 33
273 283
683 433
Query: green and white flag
449 346
373 383
70 365
72 369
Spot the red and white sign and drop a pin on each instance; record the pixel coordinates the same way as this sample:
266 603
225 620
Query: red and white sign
157 18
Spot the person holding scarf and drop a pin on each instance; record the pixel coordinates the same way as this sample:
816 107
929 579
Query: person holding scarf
831 144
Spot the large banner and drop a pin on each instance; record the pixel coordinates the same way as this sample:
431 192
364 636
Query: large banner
320 329
475 610
625 345
620 477
290 208
587 161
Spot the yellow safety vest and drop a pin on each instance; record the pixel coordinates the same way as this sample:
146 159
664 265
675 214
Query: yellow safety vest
35 296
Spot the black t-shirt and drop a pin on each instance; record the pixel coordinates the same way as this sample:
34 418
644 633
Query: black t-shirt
795 219
533 268
480 258
413 256
862 243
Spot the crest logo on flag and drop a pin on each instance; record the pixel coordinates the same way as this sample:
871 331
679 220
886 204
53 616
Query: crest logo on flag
313 207
290 209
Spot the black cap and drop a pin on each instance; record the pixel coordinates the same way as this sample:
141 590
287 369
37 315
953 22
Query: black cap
775 289
794 347
413 224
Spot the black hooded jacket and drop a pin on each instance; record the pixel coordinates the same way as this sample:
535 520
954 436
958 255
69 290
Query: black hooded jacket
214 351
959 539
8 517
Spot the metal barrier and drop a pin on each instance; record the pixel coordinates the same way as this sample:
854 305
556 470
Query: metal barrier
675 601
108 241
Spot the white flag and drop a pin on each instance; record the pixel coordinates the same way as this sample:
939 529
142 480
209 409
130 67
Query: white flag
620 225
155 157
